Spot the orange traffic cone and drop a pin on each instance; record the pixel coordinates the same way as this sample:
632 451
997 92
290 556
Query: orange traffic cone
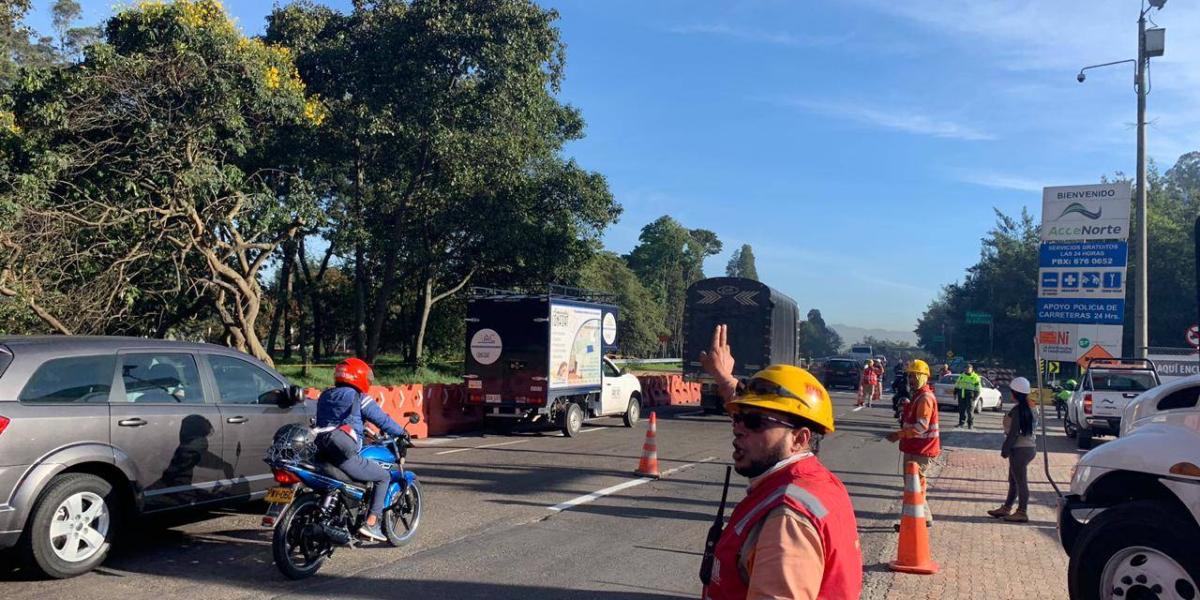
648 467
912 554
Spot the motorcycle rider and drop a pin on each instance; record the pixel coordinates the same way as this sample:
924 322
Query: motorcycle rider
341 411
1062 396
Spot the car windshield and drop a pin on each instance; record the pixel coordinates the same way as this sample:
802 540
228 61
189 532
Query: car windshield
1123 381
843 364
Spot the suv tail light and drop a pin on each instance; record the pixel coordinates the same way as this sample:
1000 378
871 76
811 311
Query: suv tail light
285 477
1087 404
4 421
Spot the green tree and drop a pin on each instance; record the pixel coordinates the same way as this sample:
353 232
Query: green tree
641 317
816 339
71 39
146 187
669 258
741 264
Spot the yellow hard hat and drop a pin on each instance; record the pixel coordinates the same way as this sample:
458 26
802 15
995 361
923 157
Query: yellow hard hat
788 389
918 366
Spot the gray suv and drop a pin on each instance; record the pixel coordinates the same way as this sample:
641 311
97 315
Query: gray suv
95 431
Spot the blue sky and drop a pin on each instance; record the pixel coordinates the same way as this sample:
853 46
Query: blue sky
859 146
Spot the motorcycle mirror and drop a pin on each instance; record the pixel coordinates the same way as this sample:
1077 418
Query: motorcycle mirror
414 418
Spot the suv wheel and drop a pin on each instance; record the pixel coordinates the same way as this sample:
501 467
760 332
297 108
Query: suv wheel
572 420
632 412
71 527
1142 549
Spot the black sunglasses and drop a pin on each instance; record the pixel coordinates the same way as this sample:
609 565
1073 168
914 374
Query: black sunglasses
757 421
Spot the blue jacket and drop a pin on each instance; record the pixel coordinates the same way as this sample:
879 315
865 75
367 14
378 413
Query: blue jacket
344 405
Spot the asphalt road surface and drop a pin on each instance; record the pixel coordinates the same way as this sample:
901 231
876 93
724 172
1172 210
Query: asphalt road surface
527 515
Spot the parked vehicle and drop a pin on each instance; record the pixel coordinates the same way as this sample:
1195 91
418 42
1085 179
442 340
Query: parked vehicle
861 352
95 431
840 372
1107 388
762 329
539 357
1132 517
989 395
319 505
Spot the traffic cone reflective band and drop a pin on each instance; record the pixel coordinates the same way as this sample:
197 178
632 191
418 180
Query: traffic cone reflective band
912 554
648 467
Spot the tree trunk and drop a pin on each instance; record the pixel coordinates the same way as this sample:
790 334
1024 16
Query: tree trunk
428 300
288 327
382 301
281 301
360 271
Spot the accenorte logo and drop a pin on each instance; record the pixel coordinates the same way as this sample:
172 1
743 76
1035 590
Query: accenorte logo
1077 208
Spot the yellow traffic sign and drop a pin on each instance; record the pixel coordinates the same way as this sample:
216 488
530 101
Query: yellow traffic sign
1053 367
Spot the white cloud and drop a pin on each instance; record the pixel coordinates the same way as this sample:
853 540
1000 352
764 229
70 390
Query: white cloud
758 36
896 119
1001 181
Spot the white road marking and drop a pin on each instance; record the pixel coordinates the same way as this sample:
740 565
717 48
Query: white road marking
481 447
856 409
436 441
584 499
592 429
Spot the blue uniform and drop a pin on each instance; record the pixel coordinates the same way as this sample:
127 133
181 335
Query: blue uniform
341 408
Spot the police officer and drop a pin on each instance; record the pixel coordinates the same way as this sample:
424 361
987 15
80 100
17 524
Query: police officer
794 535
967 390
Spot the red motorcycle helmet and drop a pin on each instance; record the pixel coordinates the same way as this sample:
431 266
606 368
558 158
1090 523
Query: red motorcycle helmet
354 373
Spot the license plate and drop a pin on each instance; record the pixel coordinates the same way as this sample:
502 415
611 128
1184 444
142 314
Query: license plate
280 495
492 398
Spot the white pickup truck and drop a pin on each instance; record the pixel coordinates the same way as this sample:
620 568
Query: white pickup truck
1107 388
1131 521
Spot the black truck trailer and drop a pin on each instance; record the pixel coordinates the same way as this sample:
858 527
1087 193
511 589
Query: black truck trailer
762 329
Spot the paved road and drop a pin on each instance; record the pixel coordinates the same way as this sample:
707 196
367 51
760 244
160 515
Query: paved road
489 530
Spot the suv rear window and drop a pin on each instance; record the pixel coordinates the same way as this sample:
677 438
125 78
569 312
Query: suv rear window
1122 381
72 379
844 364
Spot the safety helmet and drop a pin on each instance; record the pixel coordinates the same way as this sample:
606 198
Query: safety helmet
354 373
1019 385
918 366
1071 384
788 389
292 443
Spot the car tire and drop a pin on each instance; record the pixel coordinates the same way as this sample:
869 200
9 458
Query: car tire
1069 429
1136 547
979 406
81 505
1083 439
633 411
572 420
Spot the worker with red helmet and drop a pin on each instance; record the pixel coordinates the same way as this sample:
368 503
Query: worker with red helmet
341 411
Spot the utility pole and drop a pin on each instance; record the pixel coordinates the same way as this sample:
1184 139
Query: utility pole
1141 336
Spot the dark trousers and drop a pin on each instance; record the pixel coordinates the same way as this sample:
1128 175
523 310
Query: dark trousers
339 448
966 408
1018 476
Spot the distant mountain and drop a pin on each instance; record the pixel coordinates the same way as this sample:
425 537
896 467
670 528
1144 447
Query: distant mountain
851 334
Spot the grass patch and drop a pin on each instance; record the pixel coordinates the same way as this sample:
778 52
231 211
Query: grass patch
387 372
636 367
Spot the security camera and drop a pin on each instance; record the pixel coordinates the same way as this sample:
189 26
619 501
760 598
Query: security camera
1080 77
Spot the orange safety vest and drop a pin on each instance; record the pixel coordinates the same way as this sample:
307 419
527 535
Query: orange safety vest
808 488
928 443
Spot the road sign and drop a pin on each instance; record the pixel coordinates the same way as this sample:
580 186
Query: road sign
949 355
1086 212
975 317
1082 255
1068 341
1193 336
1081 310
1097 352
1052 367
1081 283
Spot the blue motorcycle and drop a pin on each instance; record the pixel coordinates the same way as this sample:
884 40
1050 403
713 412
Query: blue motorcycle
316 507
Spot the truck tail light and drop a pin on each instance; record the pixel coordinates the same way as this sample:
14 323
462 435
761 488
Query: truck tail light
1087 404
4 421
475 397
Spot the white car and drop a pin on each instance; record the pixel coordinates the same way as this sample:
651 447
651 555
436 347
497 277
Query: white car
1131 521
1108 387
989 396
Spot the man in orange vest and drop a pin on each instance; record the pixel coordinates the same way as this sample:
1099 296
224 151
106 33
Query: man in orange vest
794 535
918 435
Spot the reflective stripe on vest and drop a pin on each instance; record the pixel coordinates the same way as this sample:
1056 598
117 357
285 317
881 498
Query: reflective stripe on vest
792 491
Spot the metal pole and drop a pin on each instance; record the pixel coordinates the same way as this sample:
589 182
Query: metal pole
1141 338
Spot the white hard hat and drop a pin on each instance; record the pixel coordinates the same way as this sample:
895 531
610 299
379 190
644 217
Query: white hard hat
1020 385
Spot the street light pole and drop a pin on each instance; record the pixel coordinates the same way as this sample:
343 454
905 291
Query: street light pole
1141 336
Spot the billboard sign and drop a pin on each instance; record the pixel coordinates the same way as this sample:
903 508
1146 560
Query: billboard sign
575 350
1086 212
1069 341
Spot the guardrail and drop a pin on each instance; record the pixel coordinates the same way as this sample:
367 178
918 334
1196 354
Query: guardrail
647 361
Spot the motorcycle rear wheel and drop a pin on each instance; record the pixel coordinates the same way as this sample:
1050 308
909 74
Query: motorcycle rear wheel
298 555
400 520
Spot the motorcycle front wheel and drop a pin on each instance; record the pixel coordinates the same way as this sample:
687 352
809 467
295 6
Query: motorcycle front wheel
297 554
400 520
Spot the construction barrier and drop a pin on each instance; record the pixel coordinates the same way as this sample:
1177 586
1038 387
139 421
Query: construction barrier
447 409
399 402
668 390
